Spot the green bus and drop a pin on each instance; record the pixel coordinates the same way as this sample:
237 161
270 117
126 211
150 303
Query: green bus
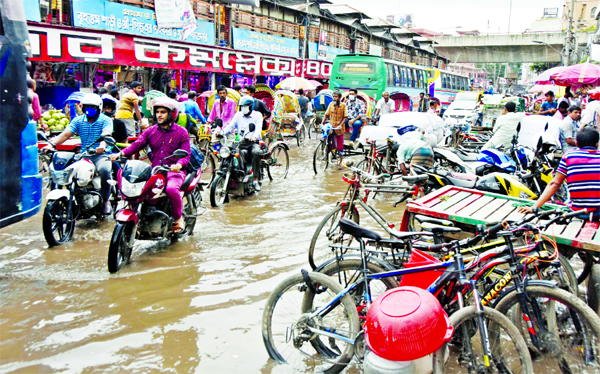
374 75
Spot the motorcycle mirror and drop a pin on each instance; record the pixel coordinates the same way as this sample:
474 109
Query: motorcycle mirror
41 136
252 127
180 153
539 145
546 127
110 140
519 127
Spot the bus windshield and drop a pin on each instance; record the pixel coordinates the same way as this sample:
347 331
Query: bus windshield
357 67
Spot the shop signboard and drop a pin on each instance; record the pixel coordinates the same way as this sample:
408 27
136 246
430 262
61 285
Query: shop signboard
251 41
316 69
110 16
330 52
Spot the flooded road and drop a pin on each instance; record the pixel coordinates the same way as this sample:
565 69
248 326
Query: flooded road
191 307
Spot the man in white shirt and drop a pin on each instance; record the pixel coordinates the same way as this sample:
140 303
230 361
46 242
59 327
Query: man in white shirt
384 105
248 124
591 114
569 128
505 127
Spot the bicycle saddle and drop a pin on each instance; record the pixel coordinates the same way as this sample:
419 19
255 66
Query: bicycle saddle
437 229
436 221
415 178
357 231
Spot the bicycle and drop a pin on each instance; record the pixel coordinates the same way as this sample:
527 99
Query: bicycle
380 159
335 318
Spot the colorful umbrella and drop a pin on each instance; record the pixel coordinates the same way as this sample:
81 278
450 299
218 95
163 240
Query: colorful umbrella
585 74
544 78
315 83
295 83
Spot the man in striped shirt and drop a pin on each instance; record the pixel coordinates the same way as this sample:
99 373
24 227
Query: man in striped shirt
581 168
90 126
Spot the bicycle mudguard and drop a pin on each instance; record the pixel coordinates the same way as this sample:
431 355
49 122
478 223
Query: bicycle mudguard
279 142
57 194
531 282
384 264
127 215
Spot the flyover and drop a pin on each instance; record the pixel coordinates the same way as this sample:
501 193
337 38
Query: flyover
526 47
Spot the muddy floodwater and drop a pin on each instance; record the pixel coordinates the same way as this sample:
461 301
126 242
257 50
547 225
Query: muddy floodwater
191 307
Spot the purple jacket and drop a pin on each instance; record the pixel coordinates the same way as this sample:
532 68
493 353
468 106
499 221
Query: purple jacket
162 144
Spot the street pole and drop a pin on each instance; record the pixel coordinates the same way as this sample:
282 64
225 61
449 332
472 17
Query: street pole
569 35
305 42
509 15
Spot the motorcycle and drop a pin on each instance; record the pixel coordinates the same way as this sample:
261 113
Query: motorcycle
499 183
147 211
75 194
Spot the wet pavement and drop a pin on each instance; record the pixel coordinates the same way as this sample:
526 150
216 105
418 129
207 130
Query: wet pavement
191 307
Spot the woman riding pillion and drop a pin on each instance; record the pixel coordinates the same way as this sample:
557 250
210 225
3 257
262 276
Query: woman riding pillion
164 138
249 123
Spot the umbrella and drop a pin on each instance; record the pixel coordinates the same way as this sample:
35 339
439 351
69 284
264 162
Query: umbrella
544 78
295 83
585 74
315 83
543 88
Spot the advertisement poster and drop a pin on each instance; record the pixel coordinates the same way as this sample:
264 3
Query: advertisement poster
405 20
322 50
110 16
247 40
170 13
375 50
330 52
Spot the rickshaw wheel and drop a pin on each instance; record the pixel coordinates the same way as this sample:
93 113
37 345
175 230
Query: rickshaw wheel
301 136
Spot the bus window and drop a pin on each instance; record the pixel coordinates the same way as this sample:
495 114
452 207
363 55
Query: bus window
419 78
425 81
453 82
396 76
357 68
408 78
444 83
404 77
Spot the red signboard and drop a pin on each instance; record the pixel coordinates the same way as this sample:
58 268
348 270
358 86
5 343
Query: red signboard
58 44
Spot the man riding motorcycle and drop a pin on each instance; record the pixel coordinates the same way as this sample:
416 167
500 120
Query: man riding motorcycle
164 138
90 126
249 122
109 108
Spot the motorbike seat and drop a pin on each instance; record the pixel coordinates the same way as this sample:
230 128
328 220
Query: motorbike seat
466 156
436 221
357 231
481 170
188 180
415 178
468 177
437 229
461 182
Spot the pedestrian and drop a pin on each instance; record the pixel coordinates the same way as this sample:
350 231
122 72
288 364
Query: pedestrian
356 114
414 151
35 102
550 106
563 110
102 91
128 105
115 93
238 89
337 113
423 103
505 127
591 115
569 128
303 101
184 95
567 97
192 108
109 108
384 105
433 107
580 169
223 109
259 105
175 96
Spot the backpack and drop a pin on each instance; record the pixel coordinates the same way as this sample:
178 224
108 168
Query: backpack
196 157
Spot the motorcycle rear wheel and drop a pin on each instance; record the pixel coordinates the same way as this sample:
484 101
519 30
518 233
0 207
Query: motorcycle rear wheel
55 220
119 251
218 192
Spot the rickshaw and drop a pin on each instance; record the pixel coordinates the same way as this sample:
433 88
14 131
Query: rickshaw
319 104
369 106
402 102
287 113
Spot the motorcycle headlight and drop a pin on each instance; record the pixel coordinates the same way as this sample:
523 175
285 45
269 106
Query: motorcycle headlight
131 189
61 177
224 152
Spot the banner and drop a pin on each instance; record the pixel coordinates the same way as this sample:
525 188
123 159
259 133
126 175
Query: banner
375 50
110 16
330 52
322 48
170 13
247 40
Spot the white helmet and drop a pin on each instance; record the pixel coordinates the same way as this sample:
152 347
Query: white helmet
92 100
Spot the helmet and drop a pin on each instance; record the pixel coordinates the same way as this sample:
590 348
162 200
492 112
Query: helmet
167 103
246 100
594 94
91 100
109 102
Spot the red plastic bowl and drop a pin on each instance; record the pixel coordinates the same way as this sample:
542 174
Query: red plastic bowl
406 323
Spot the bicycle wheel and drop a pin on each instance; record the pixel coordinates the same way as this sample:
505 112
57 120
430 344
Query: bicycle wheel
593 289
464 352
328 233
279 163
348 271
289 332
301 136
567 329
321 157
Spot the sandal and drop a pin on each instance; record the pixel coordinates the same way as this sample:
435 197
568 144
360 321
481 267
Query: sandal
177 229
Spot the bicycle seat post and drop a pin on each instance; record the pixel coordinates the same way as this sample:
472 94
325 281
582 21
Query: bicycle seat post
363 255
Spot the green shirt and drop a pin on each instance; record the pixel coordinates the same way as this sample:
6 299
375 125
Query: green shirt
408 148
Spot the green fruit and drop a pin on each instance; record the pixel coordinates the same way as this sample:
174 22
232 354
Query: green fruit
51 122
46 115
56 116
64 121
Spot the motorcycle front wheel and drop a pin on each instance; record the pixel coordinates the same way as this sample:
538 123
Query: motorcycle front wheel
119 251
218 192
57 228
